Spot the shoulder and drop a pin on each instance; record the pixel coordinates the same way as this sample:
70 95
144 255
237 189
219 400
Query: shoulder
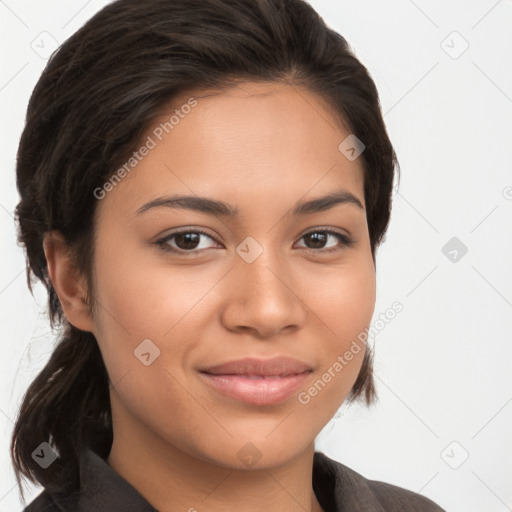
392 497
42 503
350 490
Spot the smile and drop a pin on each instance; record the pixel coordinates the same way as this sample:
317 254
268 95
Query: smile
257 389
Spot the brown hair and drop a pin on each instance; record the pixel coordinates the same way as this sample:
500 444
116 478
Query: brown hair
95 99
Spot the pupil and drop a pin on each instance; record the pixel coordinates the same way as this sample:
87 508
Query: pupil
188 242
318 239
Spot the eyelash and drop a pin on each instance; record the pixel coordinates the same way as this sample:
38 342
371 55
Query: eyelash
162 244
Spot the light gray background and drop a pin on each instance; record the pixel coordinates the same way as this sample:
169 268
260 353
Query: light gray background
443 423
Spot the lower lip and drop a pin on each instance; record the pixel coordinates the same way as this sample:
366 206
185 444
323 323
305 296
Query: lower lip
257 391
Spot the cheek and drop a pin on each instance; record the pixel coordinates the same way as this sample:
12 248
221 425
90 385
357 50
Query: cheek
343 299
139 301
146 296
143 298
345 304
352 307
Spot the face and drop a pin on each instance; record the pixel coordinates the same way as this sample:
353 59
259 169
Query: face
275 279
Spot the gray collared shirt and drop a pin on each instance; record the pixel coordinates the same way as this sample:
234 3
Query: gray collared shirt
337 488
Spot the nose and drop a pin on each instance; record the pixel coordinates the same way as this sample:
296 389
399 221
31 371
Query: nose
264 297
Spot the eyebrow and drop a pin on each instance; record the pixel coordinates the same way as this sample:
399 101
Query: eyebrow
215 207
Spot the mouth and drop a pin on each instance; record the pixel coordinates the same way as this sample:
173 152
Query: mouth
256 381
255 389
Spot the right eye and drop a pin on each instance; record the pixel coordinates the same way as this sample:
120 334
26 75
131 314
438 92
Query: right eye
187 241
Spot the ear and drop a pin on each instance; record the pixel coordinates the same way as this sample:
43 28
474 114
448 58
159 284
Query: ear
69 284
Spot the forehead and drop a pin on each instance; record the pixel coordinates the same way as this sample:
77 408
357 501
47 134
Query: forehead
270 143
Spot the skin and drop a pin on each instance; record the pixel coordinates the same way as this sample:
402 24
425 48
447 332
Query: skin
261 148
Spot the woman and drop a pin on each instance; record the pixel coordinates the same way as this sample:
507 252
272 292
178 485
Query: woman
204 185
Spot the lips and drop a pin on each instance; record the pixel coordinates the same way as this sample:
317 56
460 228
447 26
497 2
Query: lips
275 367
258 381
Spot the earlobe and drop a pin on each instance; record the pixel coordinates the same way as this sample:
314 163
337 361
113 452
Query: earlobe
67 281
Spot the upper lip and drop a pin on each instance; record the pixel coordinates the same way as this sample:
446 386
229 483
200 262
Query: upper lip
277 366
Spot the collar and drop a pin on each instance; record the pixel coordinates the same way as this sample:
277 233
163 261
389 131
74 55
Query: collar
102 489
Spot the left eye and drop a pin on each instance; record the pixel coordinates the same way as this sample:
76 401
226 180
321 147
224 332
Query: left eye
320 236
188 241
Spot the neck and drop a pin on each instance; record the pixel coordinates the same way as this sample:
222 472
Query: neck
172 480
